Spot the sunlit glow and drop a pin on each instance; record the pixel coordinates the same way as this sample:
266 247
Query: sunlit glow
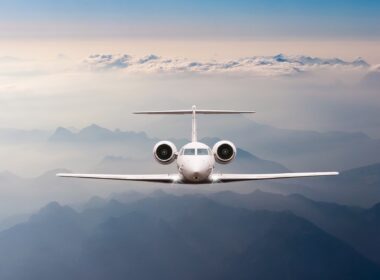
215 178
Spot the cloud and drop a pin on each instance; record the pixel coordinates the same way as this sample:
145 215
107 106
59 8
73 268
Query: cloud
372 78
108 60
376 68
9 59
277 65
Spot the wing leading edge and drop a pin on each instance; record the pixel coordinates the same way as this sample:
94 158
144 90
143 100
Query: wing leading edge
224 178
159 178
216 178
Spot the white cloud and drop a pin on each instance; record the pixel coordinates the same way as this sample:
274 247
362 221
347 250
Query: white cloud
375 68
109 60
278 65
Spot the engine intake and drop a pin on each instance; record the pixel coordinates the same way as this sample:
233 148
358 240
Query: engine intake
165 152
224 151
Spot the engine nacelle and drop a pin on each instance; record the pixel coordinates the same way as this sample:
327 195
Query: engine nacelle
224 151
165 152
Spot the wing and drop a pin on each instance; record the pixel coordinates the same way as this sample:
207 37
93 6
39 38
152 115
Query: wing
159 178
224 178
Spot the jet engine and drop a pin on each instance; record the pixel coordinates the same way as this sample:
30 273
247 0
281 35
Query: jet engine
165 152
224 151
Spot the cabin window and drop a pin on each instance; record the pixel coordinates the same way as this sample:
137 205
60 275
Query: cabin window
189 152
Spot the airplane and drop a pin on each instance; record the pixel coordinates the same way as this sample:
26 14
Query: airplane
195 160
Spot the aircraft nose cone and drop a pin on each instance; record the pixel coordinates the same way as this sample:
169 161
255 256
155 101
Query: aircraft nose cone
196 176
196 171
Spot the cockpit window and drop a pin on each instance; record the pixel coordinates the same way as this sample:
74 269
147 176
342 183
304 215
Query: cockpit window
202 152
189 152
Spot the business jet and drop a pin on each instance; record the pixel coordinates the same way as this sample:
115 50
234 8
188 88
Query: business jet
195 161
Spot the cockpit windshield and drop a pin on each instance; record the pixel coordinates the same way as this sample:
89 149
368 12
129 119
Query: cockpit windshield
189 152
192 152
202 152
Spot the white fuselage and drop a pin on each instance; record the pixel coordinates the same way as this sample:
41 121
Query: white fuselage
195 162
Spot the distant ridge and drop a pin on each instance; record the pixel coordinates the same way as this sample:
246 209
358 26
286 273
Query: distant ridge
96 133
170 237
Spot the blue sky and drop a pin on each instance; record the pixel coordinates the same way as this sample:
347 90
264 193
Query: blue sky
83 7
294 18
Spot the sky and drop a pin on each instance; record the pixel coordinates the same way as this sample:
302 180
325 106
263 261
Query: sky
212 53
192 19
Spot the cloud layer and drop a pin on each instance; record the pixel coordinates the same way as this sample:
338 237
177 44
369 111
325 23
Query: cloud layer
256 65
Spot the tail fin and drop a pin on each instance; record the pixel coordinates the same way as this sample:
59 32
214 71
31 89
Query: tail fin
193 112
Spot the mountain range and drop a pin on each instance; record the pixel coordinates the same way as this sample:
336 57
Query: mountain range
261 149
357 226
299 150
291 148
175 237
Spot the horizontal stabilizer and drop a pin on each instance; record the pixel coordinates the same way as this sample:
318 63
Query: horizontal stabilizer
196 111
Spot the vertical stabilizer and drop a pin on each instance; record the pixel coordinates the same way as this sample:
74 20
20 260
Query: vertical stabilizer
194 125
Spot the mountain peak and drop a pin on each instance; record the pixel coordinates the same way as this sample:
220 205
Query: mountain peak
360 62
148 58
52 173
94 128
61 134
95 202
280 57
54 212
96 133
61 129
54 205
